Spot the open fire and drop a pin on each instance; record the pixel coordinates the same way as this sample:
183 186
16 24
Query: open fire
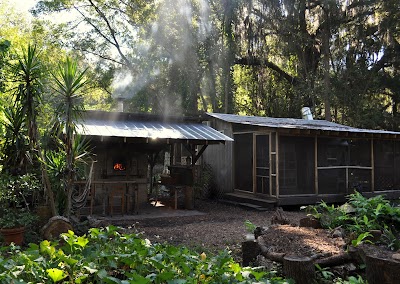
119 166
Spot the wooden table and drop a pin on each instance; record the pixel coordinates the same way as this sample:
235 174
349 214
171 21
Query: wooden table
105 186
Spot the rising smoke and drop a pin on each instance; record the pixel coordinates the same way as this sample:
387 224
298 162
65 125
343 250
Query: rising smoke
171 44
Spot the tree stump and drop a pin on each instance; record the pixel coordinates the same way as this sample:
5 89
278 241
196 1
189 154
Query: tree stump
250 251
299 268
310 222
382 270
55 226
279 217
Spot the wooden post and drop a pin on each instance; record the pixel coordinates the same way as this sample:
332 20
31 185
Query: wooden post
254 163
136 192
270 164
316 164
372 166
277 164
189 204
175 198
300 269
250 251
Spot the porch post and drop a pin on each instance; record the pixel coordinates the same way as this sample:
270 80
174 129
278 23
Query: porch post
254 164
316 164
277 163
270 163
372 166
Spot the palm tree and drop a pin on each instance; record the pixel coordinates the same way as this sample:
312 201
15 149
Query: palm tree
69 84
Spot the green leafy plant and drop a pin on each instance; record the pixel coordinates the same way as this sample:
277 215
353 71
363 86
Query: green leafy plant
351 280
250 227
362 238
108 256
324 273
328 215
14 207
359 216
389 239
312 211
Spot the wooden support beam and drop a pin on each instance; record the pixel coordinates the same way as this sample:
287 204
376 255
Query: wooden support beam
277 164
372 166
203 148
316 164
254 164
270 164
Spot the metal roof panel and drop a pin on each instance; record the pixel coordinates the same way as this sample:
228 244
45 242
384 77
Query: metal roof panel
293 123
151 129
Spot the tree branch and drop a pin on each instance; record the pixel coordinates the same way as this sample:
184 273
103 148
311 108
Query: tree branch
253 61
112 41
101 56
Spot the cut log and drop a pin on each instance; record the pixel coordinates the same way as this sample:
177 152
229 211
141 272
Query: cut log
310 222
381 270
250 250
300 269
265 251
334 260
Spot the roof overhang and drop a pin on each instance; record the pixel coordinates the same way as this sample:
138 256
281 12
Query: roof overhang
293 126
148 128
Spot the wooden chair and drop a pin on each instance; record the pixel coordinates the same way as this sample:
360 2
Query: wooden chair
132 199
119 194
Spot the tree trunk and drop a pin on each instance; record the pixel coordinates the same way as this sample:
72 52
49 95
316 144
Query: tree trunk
300 269
229 51
45 176
327 81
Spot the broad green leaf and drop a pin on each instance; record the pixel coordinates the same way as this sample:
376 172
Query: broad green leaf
177 281
112 280
82 241
56 274
102 273
90 270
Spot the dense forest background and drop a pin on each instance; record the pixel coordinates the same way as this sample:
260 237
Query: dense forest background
254 57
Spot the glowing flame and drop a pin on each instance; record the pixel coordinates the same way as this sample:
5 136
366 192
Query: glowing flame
119 167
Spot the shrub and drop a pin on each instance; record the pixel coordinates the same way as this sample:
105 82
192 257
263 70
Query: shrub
107 256
361 215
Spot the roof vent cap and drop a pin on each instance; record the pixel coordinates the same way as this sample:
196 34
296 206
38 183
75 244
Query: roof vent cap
306 113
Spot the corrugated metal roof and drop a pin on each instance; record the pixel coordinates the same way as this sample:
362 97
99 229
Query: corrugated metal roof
293 123
150 129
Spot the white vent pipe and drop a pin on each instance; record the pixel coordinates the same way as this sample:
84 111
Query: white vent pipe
306 113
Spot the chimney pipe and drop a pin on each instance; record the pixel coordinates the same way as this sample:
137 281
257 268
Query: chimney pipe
120 104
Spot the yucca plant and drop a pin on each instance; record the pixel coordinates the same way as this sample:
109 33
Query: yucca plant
15 145
69 86
28 75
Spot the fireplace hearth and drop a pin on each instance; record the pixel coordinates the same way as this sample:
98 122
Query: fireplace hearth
119 165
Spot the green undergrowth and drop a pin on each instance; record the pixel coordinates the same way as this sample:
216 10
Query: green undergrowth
108 256
360 217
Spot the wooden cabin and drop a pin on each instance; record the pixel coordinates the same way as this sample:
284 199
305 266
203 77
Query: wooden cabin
125 147
285 161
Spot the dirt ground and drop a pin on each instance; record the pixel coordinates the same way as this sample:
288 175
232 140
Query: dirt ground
223 227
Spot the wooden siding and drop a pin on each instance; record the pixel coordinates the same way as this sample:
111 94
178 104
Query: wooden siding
220 157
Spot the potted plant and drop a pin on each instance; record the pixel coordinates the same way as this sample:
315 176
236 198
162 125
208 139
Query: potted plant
15 213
